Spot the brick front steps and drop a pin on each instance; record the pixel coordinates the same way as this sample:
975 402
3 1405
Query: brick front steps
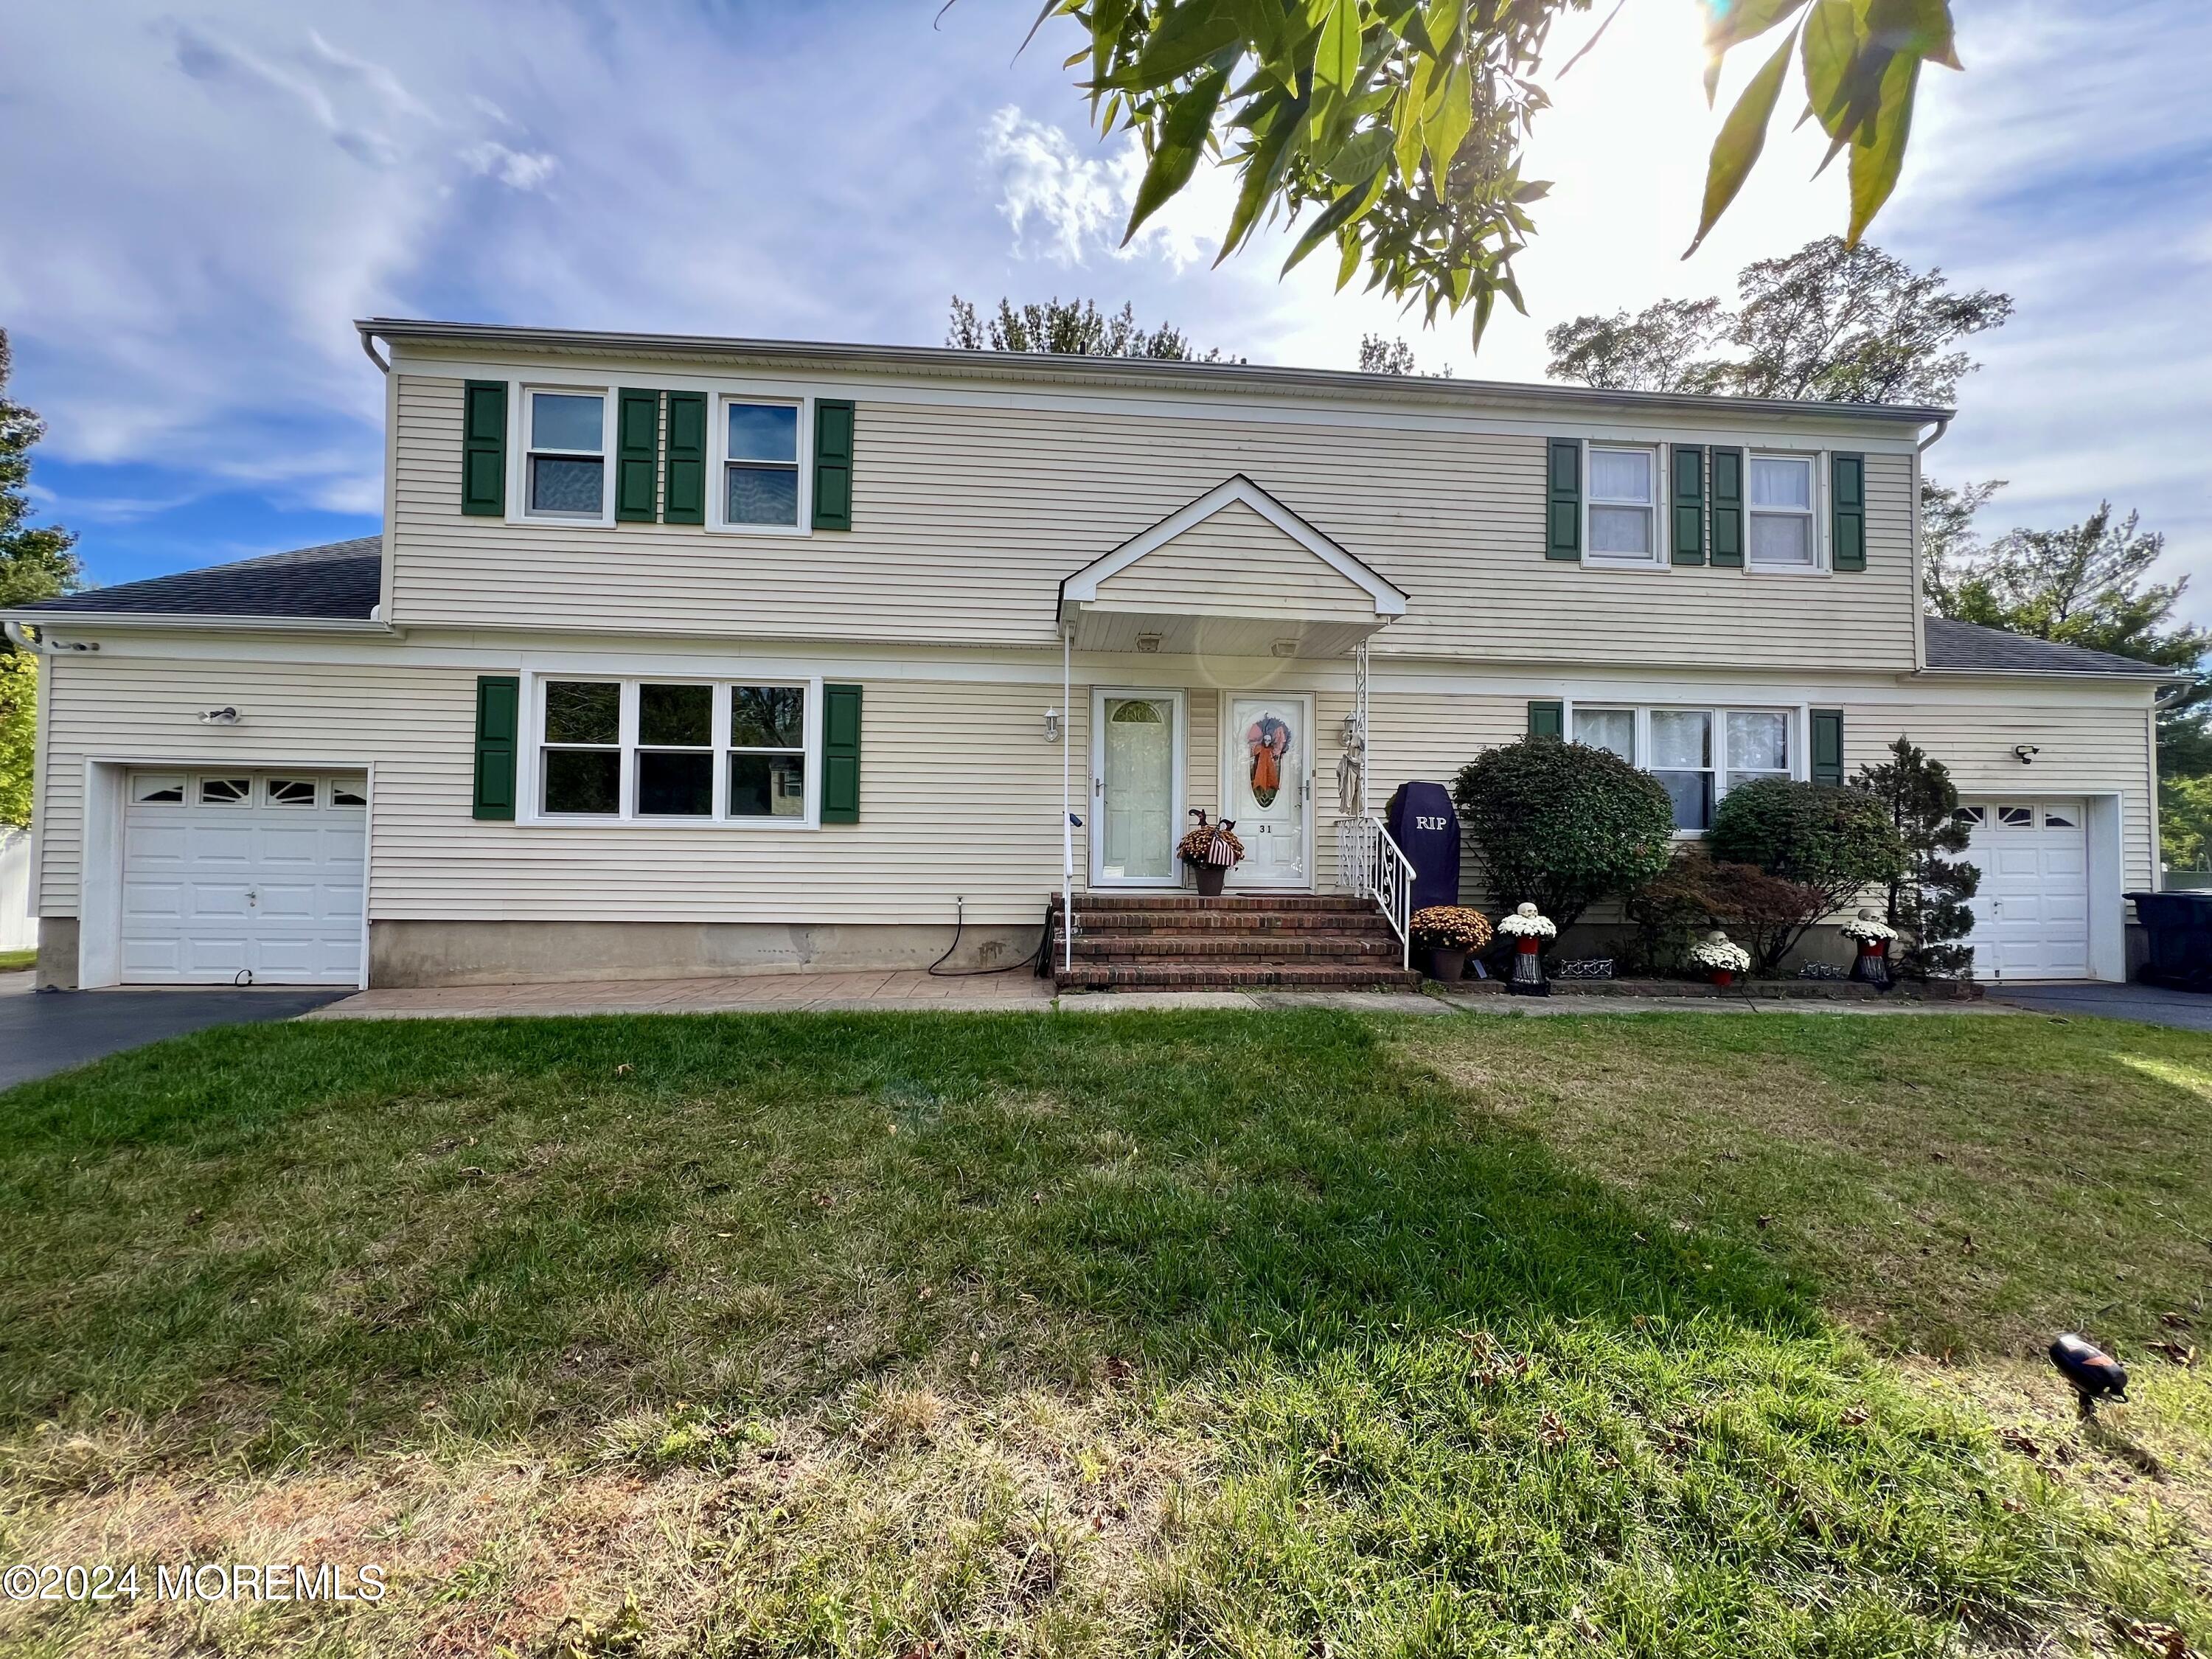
1181 942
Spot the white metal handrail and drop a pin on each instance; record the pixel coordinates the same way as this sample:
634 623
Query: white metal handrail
1368 861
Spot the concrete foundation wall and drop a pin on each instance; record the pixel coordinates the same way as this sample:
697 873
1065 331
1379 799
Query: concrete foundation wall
57 966
424 953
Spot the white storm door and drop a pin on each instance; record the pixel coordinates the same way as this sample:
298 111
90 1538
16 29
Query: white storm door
1266 753
238 877
1136 785
2032 908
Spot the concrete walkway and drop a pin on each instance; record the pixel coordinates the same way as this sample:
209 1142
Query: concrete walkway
878 990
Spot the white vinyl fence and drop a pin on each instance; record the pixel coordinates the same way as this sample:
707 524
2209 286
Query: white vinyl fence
18 931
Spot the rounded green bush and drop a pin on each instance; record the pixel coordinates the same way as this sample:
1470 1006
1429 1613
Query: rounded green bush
1562 825
1837 840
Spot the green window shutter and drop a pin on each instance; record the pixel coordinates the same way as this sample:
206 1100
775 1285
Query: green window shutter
841 754
1547 719
1847 510
637 446
1728 507
1563 500
499 708
1689 495
484 449
683 491
1828 746
832 466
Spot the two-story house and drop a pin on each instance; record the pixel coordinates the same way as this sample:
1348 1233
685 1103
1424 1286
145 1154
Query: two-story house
681 656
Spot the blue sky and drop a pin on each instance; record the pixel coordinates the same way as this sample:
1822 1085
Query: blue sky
201 197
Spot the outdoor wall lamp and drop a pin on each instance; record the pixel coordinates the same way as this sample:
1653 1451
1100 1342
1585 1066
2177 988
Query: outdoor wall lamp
1052 726
219 717
2025 752
1148 643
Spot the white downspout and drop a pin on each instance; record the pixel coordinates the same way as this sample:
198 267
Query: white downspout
1066 801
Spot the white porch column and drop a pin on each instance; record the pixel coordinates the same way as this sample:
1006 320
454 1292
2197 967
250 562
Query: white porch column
1067 806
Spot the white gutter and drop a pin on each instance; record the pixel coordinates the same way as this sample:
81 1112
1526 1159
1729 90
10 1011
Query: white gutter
171 621
23 640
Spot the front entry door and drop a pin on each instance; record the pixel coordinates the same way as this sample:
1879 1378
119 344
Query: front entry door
1267 752
1135 786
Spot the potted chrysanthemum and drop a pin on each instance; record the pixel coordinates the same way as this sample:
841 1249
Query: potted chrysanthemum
1211 850
1528 931
1451 933
1721 960
1872 935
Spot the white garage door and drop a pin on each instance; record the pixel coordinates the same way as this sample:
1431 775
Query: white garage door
2032 912
232 873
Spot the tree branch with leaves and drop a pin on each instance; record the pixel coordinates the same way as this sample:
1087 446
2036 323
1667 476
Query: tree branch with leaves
1395 129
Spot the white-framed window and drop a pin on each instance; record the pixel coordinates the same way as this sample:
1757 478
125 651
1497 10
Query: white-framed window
763 485
350 792
157 789
564 453
1783 533
225 792
674 751
1697 753
1622 509
289 791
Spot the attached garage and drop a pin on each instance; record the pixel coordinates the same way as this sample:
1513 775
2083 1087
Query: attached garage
243 877
2032 910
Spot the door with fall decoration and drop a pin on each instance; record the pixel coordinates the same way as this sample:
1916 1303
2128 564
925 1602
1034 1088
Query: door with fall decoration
1268 750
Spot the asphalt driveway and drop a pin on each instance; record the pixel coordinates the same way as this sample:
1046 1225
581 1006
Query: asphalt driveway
2151 1005
42 1034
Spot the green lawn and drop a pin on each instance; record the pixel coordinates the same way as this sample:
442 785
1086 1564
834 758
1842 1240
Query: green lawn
1271 1333
13 962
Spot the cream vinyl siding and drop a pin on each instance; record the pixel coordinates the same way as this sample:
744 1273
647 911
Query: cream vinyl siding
966 516
1235 563
959 793
2084 748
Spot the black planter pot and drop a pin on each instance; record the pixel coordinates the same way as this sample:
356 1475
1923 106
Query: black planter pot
1449 966
1210 877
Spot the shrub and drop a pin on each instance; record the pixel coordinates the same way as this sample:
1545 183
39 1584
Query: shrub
1833 842
1926 900
1562 825
1694 894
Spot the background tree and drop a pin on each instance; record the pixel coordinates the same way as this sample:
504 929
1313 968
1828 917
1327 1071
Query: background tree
1834 843
1563 825
1380 357
2091 585
1395 129
1071 328
1830 324
1926 900
1949 546
36 562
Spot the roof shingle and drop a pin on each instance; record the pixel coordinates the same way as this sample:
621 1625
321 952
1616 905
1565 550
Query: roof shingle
1962 644
338 582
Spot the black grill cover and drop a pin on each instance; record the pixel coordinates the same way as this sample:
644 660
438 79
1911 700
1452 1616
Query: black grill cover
1421 821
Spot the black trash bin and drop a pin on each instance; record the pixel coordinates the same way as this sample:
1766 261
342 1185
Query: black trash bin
2178 927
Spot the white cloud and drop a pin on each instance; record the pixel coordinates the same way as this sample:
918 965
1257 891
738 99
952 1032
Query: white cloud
516 169
1065 205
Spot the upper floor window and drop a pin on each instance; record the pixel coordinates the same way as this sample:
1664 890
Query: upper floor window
1623 527
566 468
1697 755
760 467
1781 505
